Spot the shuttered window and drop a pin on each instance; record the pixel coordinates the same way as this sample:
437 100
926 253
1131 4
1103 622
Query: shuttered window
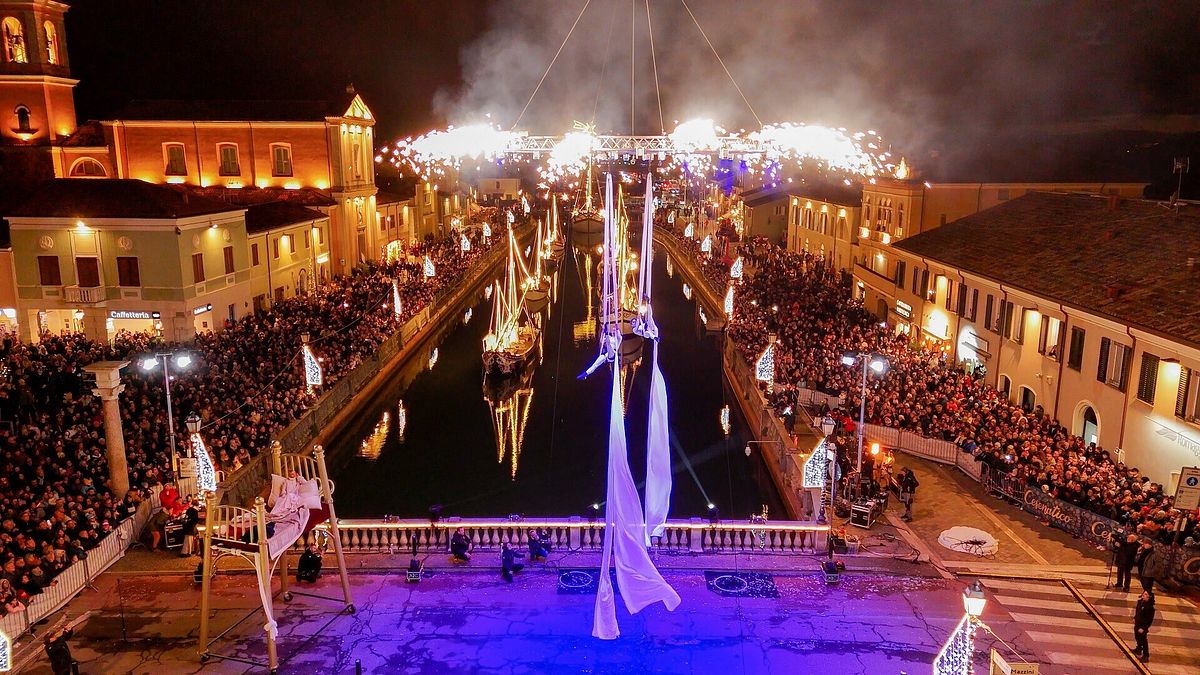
1075 355
987 314
962 300
1185 381
1113 367
1148 378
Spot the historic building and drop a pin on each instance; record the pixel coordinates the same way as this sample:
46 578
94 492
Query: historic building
1085 305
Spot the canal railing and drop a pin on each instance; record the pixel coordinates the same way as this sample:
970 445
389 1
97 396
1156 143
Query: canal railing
248 481
575 533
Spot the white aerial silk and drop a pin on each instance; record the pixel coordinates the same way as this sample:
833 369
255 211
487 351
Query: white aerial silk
658 441
625 527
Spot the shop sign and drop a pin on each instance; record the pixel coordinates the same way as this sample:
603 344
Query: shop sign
202 309
130 314
903 309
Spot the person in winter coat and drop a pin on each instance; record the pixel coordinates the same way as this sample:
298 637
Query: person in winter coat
1124 556
908 488
508 563
1143 618
1150 565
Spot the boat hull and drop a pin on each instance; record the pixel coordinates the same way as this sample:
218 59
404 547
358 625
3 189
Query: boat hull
510 361
587 223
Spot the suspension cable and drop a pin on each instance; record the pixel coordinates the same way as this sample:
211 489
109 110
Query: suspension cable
543 79
714 51
604 67
632 63
653 60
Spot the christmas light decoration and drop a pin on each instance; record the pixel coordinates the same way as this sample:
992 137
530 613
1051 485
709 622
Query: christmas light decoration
430 272
397 303
729 303
487 230
525 204
465 244
467 316
512 218
703 316
725 426
206 473
959 651
671 218
487 292
6 663
670 268
687 291
706 245
313 376
764 367
816 469
690 231
735 270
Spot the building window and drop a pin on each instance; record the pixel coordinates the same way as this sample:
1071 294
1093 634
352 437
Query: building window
307 239
197 267
87 167
128 273
48 272
1113 368
1187 405
51 43
281 159
228 260
291 242
173 159
1050 342
320 235
900 270
987 314
974 304
275 248
254 254
14 41
1028 399
228 155
87 272
1148 378
961 308
23 119
1075 353
1005 321
355 163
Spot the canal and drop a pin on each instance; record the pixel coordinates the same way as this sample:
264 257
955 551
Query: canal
537 447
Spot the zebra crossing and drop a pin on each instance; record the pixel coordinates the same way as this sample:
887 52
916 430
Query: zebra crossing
1056 625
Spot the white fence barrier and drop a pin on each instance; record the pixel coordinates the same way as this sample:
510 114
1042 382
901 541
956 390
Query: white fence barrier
942 452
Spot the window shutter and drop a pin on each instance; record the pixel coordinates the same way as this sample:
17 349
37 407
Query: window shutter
1185 375
1102 369
1126 364
1148 378
1042 336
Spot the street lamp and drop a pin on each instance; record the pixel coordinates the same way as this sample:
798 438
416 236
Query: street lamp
878 364
182 360
957 654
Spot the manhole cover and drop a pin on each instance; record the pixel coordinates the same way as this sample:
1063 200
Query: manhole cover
576 579
730 584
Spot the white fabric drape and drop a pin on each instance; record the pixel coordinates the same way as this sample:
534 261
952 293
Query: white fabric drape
658 455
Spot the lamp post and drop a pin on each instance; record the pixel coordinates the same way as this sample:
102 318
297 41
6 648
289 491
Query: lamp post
877 364
827 426
957 654
182 361
206 473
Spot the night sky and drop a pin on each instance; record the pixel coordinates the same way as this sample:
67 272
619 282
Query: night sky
956 86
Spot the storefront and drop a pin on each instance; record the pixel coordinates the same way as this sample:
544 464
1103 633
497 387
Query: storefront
202 318
133 321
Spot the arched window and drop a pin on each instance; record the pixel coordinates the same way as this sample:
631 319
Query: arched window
1005 385
23 119
51 43
86 167
14 41
1028 399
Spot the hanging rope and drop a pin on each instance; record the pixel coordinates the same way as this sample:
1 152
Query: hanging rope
653 60
714 51
552 61
604 67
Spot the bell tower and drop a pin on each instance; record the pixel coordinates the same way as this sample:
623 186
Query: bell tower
37 94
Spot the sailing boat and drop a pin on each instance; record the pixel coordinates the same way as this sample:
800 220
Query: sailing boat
586 218
511 337
537 292
555 241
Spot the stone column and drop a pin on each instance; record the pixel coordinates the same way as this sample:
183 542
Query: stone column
108 388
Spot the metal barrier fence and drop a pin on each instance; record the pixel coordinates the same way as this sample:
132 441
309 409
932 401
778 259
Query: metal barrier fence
79 576
574 534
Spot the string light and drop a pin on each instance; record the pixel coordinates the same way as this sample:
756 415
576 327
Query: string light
725 426
687 291
313 376
467 316
703 316
401 420
487 292
957 654
689 231
706 245
735 270
397 303
487 230
430 272
729 303
206 473
433 358
5 652
764 367
512 218
816 469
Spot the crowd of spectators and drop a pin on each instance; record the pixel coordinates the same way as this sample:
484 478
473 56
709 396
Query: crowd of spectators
246 383
811 307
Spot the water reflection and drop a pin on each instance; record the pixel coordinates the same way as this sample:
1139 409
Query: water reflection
509 400
372 445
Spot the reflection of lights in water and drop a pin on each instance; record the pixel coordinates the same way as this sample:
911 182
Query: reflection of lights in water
487 292
433 357
687 291
467 316
703 316
670 268
372 445
401 420
509 418
725 426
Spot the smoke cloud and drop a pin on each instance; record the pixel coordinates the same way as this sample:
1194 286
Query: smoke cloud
942 81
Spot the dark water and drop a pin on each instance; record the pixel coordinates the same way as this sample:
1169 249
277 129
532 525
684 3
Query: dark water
449 454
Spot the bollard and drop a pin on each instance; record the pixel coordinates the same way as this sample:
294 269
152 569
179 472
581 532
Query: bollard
357 666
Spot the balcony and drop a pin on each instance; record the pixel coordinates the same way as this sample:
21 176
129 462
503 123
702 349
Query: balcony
83 295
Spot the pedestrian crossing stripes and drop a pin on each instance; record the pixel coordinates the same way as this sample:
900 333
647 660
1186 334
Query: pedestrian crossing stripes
1060 629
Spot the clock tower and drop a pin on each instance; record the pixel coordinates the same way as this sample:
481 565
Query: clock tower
37 103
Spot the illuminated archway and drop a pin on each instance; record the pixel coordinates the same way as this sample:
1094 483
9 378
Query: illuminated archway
1085 422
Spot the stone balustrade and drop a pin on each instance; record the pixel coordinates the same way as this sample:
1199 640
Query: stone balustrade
575 534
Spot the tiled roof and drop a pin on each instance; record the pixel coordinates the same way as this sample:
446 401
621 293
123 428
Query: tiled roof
263 217
246 196
113 198
233 111
1123 259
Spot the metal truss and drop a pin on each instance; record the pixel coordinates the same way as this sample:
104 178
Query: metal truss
729 146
